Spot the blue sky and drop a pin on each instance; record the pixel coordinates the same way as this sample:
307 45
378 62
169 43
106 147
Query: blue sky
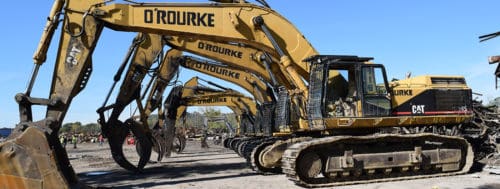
423 37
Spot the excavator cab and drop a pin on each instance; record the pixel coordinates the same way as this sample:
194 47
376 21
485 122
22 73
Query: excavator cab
353 87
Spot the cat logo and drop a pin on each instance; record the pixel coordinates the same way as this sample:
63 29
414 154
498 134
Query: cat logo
74 52
418 109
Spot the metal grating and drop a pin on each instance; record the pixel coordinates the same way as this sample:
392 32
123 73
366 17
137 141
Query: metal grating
451 100
282 113
314 113
249 127
448 81
266 119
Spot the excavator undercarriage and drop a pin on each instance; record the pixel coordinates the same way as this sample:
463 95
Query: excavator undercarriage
342 160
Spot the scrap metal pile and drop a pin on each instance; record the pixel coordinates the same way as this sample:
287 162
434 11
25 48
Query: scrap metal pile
487 120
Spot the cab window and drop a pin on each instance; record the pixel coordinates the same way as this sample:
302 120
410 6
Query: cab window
376 99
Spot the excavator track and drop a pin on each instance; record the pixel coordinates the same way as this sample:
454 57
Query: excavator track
277 145
301 165
247 149
240 146
227 141
233 144
254 159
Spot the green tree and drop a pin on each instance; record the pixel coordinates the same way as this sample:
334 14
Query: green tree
66 128
231 118
91 129
152 119
76 127
211 112
194 119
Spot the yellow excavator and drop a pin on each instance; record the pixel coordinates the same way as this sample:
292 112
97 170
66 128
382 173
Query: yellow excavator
229 71
192 93
195 94
243 106
244 65
349 124
244 120
244 79
253 83
238 104
248 81
145 49
254 79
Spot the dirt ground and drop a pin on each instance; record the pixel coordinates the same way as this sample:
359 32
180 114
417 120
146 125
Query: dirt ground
221 168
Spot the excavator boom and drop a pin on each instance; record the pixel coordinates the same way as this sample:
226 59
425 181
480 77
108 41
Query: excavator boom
249 58
244 79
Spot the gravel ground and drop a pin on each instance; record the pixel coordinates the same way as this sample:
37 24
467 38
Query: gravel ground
217 167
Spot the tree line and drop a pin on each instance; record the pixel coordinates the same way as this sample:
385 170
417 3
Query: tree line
192 120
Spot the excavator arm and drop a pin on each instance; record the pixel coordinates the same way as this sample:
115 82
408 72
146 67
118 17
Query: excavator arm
246 80
245 23
232 22
148 49
84 21
234 58
173 58
175 106
241 115
241 105
192 89
234 100
168 68
235 55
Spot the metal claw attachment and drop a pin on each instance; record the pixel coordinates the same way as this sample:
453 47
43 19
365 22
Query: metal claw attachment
116 137
160 145
144 142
